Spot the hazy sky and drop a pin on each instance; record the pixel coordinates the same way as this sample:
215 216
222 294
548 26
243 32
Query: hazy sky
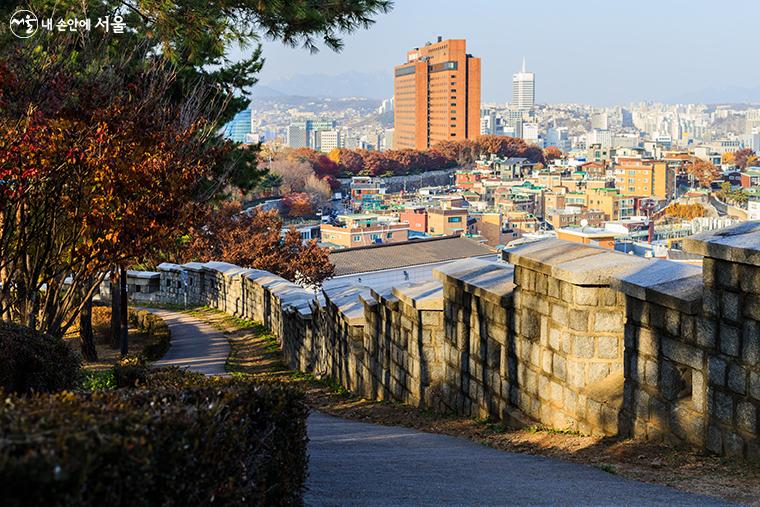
592 51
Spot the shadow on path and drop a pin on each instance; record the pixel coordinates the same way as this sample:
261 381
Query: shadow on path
355 463
196 345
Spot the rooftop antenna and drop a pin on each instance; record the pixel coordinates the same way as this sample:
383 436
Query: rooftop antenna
523 68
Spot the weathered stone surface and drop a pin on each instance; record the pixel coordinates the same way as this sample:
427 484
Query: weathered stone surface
671 284
422 296
574 263
738 243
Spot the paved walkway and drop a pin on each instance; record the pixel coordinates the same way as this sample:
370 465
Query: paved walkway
355 463
196 345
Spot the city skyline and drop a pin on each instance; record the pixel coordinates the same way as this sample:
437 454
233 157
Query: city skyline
580 55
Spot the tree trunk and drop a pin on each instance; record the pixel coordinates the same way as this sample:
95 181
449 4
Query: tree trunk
124 313
85 333
115 309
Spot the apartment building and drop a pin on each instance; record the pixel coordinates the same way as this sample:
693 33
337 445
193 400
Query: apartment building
363 230
437 95
447 221
416 217
611 202
565 217
645 179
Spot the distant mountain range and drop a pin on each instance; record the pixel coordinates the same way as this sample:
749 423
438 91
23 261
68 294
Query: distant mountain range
379 85
348 84
722 95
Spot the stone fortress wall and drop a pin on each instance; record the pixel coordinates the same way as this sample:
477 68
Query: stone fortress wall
566 335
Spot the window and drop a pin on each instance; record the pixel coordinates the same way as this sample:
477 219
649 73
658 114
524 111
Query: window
455 219
357 238
389 235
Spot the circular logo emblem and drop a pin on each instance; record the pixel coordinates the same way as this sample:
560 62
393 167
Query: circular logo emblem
23 24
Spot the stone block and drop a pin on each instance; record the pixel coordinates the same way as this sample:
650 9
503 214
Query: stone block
688 330
730 339
531 382
687 425
649 343
730 308
605 322
751 342
674 380
715 440
530 324
737 379
698 391
607 347
576 373
749 280
598 371
723 406
556 393
707 331
751 303
682 353
637 311
559 367
585 296
651 372
546 361
657 316
578 319
754 385
733 445
711 302
570 401
554 338
746 416
583 346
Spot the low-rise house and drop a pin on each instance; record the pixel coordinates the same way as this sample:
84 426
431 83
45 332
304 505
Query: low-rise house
363 230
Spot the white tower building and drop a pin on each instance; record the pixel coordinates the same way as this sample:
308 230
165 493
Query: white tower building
523 90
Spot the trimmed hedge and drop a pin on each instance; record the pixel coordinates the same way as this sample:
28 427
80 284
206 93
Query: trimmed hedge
159 336
181 439
33 361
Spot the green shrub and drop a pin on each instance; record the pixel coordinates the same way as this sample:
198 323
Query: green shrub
98 379
130 371
225 441
101 324
158 334
32 361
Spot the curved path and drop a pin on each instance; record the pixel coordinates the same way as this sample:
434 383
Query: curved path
196 345
362 464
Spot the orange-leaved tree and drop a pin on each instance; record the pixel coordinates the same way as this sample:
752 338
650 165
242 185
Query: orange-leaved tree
97 170
703 171
254 239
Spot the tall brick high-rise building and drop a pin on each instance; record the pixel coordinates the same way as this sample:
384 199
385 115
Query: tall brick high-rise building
437 95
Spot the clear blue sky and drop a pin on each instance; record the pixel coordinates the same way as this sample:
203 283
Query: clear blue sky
592 51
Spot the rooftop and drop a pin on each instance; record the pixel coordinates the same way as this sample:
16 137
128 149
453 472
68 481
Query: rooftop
397 255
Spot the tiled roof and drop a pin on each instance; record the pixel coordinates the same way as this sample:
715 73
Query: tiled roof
412 253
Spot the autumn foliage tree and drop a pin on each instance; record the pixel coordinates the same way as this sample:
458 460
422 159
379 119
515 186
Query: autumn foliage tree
685 211
97 170
742 157
297 204
253 240
703 171
552 153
